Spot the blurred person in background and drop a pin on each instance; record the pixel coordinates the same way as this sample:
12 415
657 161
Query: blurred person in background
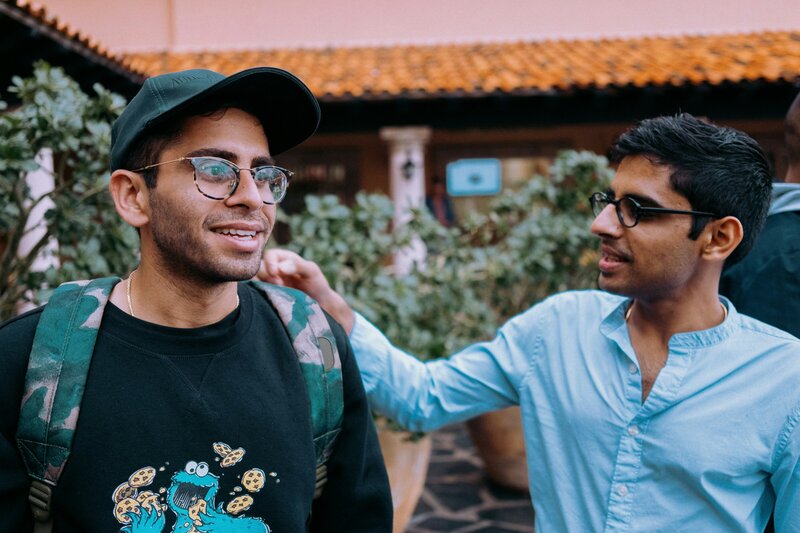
766 284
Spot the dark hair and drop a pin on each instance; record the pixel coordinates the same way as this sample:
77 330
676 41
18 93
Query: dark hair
149 146
792 128
148 149
718 169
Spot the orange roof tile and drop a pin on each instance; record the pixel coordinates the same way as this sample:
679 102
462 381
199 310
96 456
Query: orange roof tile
77 39
514 67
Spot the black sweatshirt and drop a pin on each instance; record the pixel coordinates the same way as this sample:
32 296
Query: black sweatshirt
164 411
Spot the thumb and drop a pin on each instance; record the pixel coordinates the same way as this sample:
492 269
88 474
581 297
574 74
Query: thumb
288 267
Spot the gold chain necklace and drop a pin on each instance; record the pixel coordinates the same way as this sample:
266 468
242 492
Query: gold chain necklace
128 294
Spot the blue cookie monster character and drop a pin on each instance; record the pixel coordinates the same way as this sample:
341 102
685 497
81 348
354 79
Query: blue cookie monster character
190 485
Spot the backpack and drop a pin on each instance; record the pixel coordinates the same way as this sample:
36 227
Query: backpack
62 352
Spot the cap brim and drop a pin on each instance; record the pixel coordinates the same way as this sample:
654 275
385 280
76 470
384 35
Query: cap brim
288 111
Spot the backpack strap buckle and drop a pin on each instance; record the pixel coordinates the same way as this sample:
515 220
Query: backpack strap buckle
40 497
322 479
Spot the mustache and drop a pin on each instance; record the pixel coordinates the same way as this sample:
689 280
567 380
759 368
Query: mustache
608 249
262 222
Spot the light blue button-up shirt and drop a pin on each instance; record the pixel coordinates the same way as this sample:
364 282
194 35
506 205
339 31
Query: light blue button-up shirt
712 449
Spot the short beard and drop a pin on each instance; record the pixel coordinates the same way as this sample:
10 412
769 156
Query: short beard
190 260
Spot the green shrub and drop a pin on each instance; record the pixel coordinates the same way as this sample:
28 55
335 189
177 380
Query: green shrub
54 113
534 242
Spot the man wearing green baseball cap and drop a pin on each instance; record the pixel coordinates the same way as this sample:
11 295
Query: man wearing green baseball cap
183 397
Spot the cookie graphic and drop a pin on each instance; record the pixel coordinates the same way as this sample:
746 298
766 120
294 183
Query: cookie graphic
239 504
126 505
142 477
124 491
232 458
196 509
253 480
222 449
148 500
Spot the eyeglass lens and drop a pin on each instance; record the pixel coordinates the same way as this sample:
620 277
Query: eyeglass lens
626 208
217 178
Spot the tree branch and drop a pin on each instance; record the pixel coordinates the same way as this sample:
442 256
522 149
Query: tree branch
14 235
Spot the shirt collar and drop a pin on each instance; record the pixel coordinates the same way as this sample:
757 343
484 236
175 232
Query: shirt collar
614 327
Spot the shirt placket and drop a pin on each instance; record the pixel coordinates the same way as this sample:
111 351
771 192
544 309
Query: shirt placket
628 461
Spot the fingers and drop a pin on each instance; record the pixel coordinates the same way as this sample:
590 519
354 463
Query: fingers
283 267
269 270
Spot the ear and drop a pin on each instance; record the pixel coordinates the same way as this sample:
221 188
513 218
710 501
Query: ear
131 197
721 237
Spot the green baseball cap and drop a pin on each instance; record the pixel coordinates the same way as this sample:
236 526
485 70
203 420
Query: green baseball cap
288 111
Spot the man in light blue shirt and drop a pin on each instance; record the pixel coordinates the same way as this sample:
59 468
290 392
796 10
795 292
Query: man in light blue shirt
652 406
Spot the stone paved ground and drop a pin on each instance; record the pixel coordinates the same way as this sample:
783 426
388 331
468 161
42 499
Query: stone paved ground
459 498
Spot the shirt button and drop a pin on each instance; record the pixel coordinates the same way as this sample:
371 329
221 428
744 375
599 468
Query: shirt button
633 369
633 431
622 490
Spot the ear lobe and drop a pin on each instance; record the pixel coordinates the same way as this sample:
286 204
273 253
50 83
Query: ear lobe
725 235
131 197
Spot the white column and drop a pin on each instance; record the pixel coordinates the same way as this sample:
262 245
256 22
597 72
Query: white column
407 183
40 183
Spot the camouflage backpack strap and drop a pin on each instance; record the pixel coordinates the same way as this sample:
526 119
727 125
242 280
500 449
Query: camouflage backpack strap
54 384
315 347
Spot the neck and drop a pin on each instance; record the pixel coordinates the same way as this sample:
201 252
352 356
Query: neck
663 318
172 301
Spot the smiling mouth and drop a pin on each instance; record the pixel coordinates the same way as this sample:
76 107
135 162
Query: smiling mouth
188 493
237 233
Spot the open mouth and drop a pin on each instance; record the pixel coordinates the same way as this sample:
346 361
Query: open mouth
188 493
614 258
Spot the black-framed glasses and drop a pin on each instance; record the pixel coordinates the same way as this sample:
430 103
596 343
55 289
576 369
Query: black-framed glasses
218 178
629 211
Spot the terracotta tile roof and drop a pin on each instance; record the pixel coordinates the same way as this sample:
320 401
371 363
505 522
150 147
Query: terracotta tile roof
514 67
35 14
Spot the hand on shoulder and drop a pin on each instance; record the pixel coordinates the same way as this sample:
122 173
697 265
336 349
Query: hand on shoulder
287 269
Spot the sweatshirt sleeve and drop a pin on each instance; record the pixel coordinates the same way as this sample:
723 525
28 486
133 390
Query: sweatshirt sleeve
357 497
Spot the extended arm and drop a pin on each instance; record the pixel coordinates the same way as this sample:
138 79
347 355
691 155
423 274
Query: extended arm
425 396
420 396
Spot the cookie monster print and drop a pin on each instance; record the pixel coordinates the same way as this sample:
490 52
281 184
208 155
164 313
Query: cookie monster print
191 497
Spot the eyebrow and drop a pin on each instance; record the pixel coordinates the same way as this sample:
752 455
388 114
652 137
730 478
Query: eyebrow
645 201
262 161
259 161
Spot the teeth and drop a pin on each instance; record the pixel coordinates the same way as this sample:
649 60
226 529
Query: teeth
237 232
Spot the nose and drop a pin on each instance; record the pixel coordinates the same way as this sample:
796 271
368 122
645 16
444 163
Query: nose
246 193
606 223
